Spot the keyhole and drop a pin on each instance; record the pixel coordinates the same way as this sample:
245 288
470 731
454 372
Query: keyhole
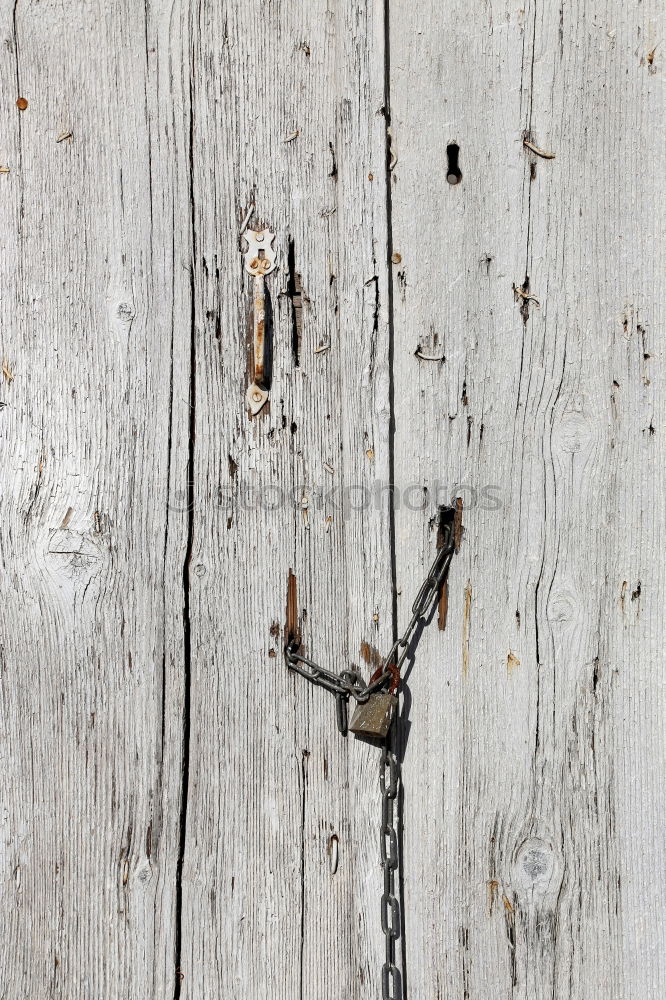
453 172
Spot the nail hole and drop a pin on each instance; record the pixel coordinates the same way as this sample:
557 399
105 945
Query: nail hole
453 172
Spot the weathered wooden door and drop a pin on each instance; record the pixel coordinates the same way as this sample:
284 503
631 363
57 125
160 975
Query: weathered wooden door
468 308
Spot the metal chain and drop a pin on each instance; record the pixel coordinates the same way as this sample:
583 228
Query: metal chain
389 775
349 683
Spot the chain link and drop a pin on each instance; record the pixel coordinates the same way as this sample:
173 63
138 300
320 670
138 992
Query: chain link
389 776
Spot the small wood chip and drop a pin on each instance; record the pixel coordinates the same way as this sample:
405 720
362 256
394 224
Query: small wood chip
7 372
246 219
320 350
539 152
329 468
520 294
63 136
4 170
293 135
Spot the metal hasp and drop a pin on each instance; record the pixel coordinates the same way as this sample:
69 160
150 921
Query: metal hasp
260 260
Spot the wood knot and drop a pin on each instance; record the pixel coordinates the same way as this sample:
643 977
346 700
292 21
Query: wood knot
573 432
535 866
125 312
563 607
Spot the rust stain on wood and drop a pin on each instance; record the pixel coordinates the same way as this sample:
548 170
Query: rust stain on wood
371 655
443 606
458 523
466 623
493 886
512 662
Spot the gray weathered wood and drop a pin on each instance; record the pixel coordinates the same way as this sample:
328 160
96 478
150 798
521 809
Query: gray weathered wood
94 298
287 116
172 801
536 747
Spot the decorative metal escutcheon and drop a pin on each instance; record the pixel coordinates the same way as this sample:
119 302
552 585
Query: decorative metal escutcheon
260 260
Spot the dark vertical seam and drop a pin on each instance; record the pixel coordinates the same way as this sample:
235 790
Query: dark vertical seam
391 327
20 144
396 739
150 143
159 791
529 133
187 623
537 735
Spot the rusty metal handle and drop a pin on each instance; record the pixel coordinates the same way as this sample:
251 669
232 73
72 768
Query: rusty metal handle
260 260
259 330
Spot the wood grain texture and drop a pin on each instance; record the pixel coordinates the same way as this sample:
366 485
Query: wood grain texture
287 119
179 816
94 293
531 863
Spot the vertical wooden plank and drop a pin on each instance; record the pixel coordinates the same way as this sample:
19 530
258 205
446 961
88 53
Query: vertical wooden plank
287 122
529 780
94 243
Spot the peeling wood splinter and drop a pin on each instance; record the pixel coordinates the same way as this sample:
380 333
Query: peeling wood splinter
428 357
539 152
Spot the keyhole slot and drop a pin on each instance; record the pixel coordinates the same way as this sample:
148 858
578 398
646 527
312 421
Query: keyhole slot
453 171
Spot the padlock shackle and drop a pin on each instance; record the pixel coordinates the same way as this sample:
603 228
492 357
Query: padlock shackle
391 669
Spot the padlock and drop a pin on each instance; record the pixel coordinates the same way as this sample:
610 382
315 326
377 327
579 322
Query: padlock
373 717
